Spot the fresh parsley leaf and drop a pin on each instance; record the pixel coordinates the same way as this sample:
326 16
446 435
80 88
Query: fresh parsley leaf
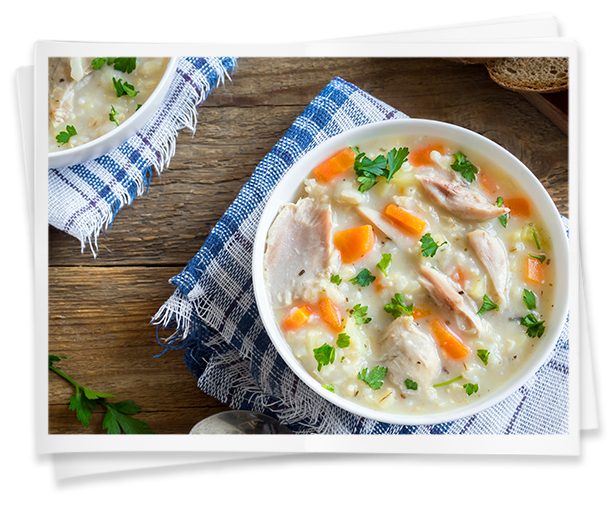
410 385
504 218
541 258
483 355
383 265
467 169
124 88
329 387
429 247
535 328
529 299
397 307
126 65
535 237
343 341
368 170
373 378
112 115
395 160
471 388
448 382
98 63
64 137
85 401
364 278
487 305
138 107
324 355
118 418
359 313
336 279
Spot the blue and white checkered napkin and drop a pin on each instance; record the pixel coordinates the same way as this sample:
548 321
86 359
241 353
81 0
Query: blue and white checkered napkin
215 315
84 198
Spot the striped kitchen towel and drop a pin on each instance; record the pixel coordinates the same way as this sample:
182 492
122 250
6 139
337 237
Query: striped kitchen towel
84 198
216 321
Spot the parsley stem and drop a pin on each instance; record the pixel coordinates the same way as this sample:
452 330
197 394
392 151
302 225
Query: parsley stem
448 382
65 376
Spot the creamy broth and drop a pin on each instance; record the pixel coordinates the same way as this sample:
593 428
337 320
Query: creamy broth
493 345
85 99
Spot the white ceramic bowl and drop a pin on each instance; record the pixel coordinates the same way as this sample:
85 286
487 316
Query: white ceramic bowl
122 133
291 186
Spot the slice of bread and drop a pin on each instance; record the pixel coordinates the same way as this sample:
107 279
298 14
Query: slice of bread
544 75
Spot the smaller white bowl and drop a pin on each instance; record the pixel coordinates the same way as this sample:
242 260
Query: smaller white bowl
290 186
117 136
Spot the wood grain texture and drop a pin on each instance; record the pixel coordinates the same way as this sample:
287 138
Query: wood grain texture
100 308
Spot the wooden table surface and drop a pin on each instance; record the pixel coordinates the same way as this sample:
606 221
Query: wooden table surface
100 309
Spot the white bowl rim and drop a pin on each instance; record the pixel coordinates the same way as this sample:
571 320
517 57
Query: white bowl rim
285 191
79 151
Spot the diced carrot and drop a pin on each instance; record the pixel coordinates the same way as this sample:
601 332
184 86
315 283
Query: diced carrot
448 341
354 242
297 317
405 220
423 155
420 312
534 270
519 206
335 166
378 286
330 313
488 185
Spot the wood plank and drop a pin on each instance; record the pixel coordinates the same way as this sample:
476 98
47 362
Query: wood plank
100 318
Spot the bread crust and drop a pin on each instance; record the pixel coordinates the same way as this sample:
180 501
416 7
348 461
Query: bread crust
543 75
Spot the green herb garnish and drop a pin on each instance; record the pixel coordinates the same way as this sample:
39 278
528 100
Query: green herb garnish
373 378
124 88
112 115
329 387
535 237
117 416
535 328
368 170
541 258
429 247
383 265
126 65
359 313
364 278
483 355
471 388
336 279
487 305
504 218
410 385
324 355
467 169
529 299
397 307
64 137
448 382
343 341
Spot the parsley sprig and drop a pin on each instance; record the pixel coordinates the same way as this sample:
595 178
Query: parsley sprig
373 378
487 305
364 278
503 219
462 165
359 313
118 415
369 170
324 355
64 137
124 88
429 247
535 328
126 65
483 355
397 307
529 299
383 265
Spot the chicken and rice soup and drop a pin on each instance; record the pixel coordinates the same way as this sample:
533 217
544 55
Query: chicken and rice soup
89 97
411 276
